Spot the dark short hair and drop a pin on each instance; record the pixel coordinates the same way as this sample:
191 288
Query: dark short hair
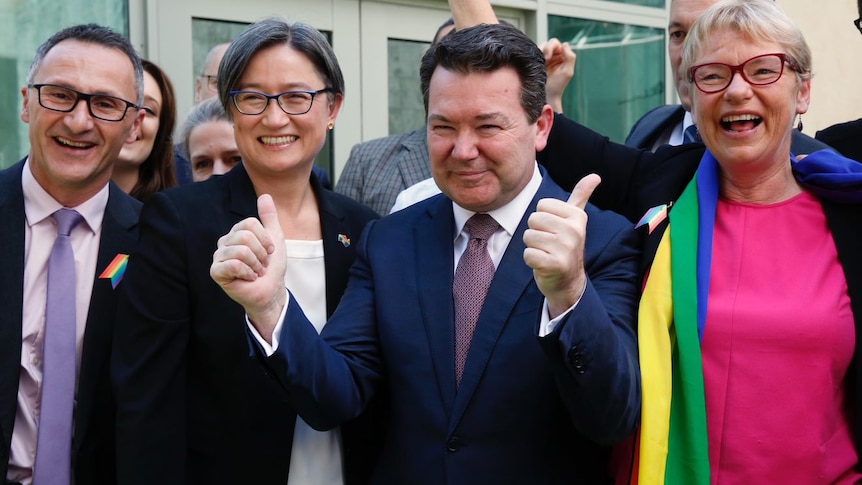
93 34
275 31
487 48
451 22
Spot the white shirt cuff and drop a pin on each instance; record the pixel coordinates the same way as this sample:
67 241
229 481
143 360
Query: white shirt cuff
267 347
546 325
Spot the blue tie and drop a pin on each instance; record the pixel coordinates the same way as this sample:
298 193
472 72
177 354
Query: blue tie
54 444
690 135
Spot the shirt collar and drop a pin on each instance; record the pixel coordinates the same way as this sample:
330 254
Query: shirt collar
39 205
509 215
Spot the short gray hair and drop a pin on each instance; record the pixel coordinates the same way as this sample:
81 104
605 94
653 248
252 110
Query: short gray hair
274 31
207 111
755 20
92 34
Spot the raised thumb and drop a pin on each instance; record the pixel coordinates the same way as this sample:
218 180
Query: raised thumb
584 190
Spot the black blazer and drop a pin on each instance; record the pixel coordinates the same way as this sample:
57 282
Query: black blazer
93 441
634 181
193 405
844 137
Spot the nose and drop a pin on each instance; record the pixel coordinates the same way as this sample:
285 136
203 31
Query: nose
273 115
79 119
464 147
738 88
220 167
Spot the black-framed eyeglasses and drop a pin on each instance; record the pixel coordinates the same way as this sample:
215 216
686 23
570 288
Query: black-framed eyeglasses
211 82
64 100
291 102
858 24
757 71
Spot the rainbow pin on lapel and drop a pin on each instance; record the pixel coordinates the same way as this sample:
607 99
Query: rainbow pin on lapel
344 240
116 269
653 217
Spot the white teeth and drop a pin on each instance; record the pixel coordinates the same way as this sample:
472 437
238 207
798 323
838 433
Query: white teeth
278 140
732 118
71 143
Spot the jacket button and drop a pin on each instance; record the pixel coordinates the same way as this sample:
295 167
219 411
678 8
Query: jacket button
454 444
576 360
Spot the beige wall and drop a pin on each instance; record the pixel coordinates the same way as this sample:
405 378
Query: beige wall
835 43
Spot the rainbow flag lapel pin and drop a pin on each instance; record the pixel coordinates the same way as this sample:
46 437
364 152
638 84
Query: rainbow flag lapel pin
653 217
344 240
116 269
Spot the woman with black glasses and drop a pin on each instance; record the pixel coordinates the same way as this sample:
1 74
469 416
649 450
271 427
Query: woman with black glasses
194 406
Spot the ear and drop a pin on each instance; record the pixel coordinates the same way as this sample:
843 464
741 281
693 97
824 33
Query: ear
335 107
198 89
136 125
25 107
803 97
543 127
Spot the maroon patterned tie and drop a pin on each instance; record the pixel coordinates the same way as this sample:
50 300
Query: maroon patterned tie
472 280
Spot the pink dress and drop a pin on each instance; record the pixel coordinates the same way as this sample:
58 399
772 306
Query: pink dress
778 343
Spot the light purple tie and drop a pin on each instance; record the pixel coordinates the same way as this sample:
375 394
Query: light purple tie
472 280
54 446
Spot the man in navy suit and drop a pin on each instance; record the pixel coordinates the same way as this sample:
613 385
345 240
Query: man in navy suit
551 375
80 103
665 125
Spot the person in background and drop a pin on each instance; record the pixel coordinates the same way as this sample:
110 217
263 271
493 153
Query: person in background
444 308
207 136
377 170
65 232
146 163
193 406
206 83
846 137
673 124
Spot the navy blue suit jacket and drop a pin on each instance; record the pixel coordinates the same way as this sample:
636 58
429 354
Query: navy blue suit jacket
193 406
658 123
528 410
93 442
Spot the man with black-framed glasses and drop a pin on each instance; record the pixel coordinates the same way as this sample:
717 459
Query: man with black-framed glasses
65 230
846 137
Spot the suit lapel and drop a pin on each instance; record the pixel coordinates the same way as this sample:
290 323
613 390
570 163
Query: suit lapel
119 235
337 247
511 279
11 299
434 249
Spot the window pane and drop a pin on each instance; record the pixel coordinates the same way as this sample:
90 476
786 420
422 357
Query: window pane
406 108
619 73
645 3
23 27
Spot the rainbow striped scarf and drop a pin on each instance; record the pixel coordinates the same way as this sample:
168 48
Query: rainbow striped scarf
673 443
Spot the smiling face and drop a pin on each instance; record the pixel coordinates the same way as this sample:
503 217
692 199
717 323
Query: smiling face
481 143
274 142
212 149
136 150
683 13
72 154
748 127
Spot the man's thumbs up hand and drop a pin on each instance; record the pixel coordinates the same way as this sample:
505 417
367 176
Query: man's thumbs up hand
555 246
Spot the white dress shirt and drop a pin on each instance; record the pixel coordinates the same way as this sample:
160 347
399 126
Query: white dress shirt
40 231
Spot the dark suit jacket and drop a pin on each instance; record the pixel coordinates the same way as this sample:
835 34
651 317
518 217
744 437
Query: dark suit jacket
93 441
528 410
658 123
634 181
193 406
378 170
844 137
